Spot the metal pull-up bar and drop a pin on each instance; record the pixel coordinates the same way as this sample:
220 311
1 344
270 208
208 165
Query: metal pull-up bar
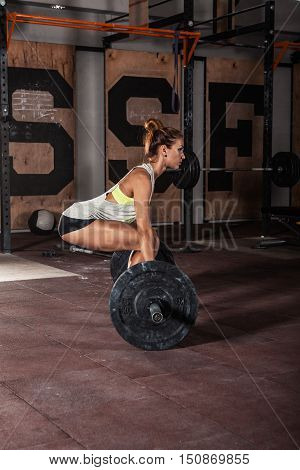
189 38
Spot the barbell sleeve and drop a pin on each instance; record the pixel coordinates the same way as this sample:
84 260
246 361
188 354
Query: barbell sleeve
156 313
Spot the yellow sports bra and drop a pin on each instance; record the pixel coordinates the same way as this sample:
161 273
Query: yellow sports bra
120 197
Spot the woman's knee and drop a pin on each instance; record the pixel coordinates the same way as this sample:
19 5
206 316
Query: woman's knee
64 236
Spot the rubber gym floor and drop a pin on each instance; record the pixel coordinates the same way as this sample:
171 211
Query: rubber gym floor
69 381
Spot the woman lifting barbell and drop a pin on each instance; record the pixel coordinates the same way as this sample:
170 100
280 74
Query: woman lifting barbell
120 218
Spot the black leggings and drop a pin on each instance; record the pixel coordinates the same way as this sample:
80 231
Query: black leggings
67 224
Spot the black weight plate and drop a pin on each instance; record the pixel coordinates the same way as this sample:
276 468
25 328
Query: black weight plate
197 170
164 254
119 260
285 169
188 175
182 178
153 282
118 263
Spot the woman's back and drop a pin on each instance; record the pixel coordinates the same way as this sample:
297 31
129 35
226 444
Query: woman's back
106 206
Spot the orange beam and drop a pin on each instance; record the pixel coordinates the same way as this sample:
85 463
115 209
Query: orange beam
108 27
291 44
185 45
192 50
10 32
284 46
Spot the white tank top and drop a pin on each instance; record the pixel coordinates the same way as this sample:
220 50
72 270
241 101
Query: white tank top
100 208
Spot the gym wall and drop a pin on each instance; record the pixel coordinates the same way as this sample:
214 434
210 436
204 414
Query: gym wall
42 128
89 104
139 86
234 137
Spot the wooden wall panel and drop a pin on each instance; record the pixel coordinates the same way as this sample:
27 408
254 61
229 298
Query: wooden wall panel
134 110
243 199
138 12
37 106
221 8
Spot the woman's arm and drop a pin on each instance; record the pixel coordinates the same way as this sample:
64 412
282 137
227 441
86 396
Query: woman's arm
142 193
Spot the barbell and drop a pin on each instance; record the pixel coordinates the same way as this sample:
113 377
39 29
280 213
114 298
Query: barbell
153 305
284 170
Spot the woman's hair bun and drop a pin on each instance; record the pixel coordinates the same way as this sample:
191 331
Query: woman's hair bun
156 134
152 125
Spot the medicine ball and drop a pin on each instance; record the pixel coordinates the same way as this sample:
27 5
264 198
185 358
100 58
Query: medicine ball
41 222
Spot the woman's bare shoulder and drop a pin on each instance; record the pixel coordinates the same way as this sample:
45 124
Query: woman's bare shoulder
140 183
139 174
137 180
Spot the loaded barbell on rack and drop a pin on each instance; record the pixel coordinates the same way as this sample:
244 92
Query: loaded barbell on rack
284 170
153 305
